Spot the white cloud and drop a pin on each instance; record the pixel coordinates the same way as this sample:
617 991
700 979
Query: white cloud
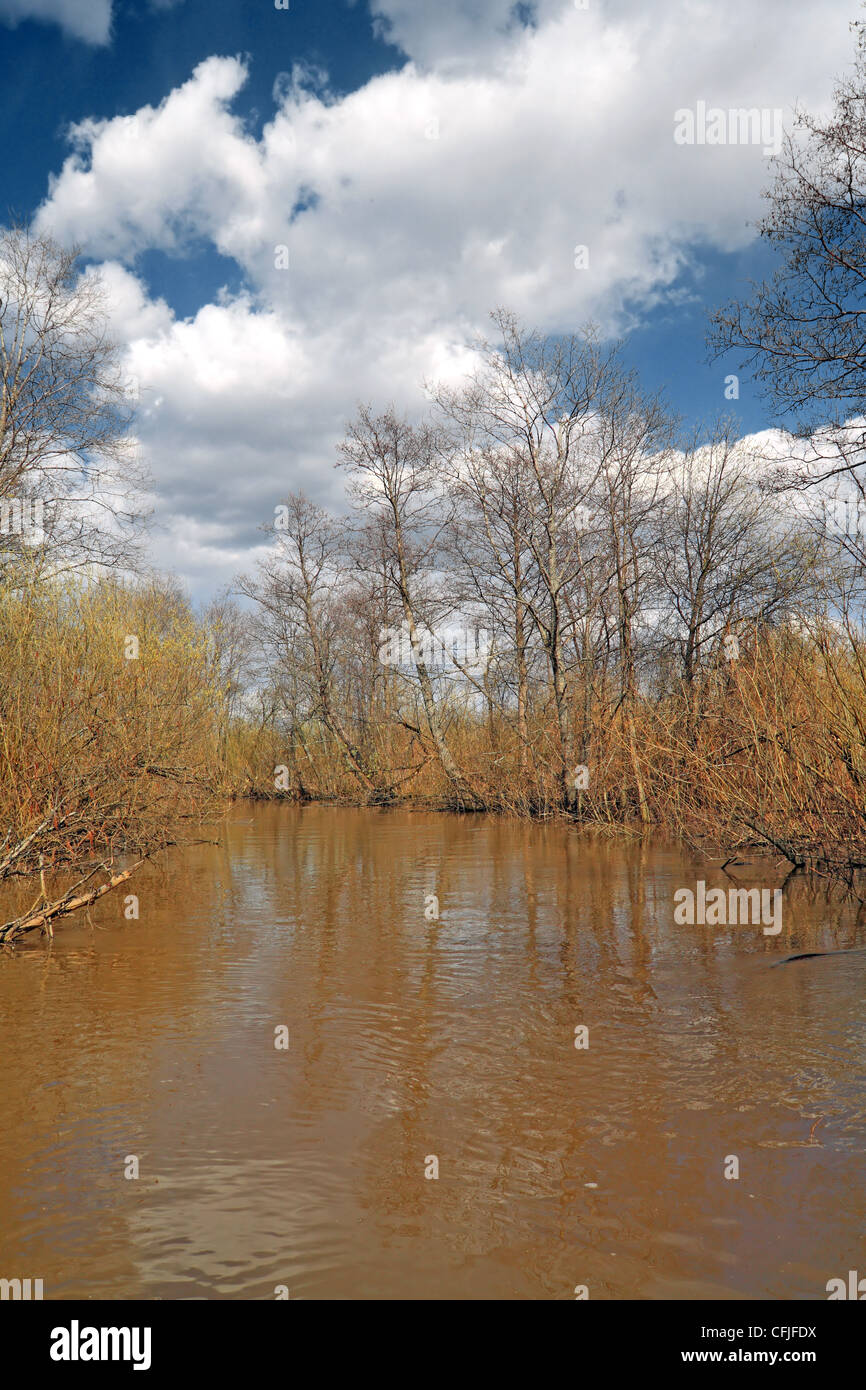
89 20
157 177
571 142
459 33
237 404
399 243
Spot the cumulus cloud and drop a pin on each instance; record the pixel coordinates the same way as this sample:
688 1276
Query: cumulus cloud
237 404
89 20
408 209
426 192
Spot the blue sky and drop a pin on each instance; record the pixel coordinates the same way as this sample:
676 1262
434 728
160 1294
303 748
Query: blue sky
421 164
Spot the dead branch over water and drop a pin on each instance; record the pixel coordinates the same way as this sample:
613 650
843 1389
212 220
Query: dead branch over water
42 918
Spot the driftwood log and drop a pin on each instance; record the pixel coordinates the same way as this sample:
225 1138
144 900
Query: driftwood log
41 917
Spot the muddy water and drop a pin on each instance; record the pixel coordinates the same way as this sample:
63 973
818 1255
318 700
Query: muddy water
410 1039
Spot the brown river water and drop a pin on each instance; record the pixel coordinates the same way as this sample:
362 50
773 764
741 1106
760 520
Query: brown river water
302 1168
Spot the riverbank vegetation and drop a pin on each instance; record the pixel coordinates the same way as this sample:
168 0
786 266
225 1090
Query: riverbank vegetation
108 702
566 613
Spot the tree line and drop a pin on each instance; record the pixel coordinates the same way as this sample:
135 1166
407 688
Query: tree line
659 620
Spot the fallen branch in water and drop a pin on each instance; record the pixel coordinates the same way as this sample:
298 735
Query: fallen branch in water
72 901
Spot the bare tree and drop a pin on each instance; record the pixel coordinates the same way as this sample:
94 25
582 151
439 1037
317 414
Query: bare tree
494 569
728 557
395 473
230 630
298 591
803 330
634 435
65 407
528 428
